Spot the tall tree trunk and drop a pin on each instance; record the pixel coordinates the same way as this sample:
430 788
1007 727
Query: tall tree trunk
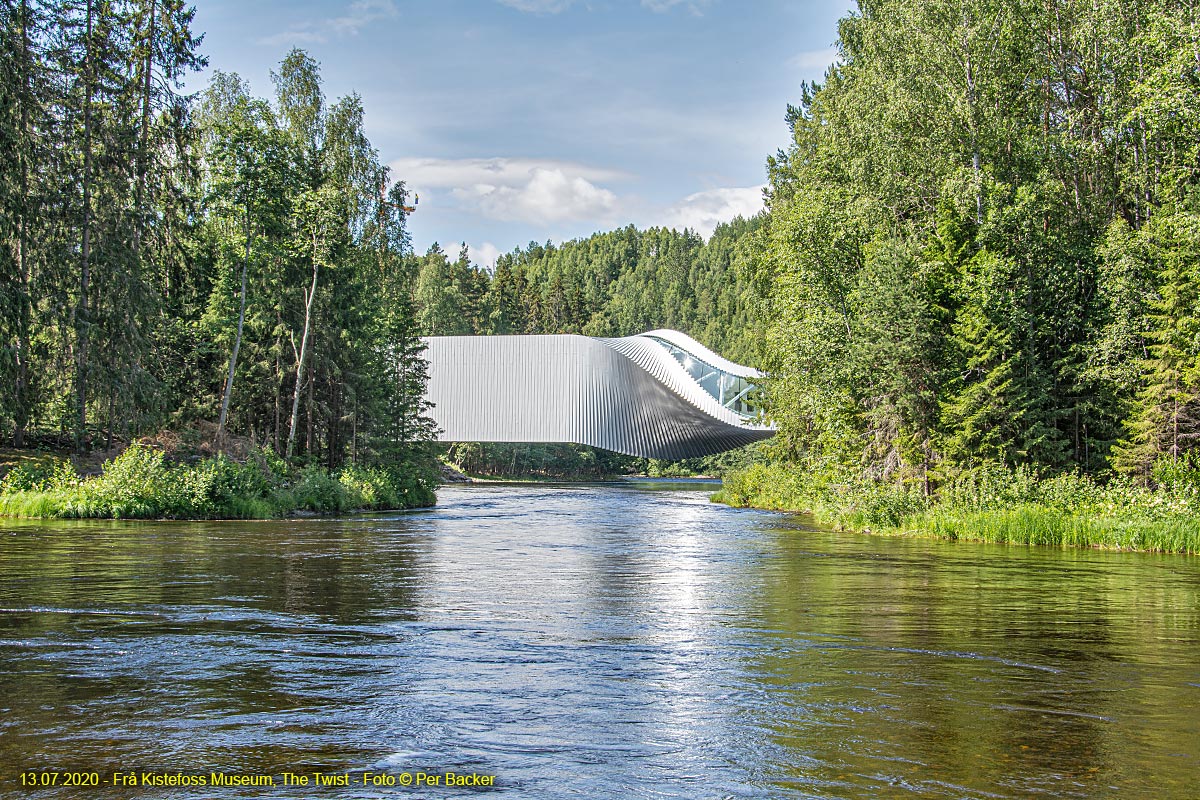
278 393
309 445
85 252
144 134
108 426
308 301
24 311
237 341
333 425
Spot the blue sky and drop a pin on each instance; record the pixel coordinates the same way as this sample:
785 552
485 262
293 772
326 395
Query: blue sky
529 120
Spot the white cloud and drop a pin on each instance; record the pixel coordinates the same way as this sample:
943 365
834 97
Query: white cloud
703 211
454 173
516 190
538 6
295 36
556 6
550 196
695 6
547 192
359 14
484 255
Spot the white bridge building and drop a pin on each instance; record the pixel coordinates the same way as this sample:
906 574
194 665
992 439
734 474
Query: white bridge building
656 395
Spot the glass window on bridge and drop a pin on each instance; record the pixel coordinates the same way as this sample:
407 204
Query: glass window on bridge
734 392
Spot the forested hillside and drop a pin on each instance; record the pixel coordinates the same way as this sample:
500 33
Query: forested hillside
610 284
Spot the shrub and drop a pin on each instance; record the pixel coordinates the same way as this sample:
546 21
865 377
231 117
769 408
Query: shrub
140 484
317 490
404 486
989 486
51 474
220 487
1179 476
763 485
413 485
132 485
367 487
886 505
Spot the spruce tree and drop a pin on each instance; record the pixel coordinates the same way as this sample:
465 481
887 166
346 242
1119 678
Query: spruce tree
1165 419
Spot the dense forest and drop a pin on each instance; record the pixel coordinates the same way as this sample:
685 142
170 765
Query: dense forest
983 242
980 272
173 259
610 284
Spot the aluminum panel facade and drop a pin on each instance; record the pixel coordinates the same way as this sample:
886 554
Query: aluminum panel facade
629 395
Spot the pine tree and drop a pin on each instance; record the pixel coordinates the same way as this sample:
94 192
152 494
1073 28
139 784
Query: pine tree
12 230
404 428
898 351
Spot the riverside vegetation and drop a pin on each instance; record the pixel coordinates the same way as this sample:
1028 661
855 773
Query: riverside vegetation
139 484
992 504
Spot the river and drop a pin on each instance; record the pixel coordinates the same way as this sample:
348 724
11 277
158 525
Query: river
623 640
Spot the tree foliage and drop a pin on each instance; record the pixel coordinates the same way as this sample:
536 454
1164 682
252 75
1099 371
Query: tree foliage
982 241
169 259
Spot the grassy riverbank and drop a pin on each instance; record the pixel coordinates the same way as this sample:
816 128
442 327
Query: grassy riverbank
992 505
141 484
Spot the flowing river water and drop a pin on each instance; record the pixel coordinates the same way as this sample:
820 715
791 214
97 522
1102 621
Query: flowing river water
622 640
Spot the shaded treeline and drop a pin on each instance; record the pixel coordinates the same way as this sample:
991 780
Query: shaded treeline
169 259
617 283
983 242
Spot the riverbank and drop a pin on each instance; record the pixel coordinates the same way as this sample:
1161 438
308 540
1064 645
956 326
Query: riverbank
991 505
141 484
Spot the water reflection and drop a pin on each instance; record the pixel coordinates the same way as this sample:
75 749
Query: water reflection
935 669
600 641
224 646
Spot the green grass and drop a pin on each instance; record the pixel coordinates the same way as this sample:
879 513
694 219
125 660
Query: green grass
140 484
992 504
1040 525
35 505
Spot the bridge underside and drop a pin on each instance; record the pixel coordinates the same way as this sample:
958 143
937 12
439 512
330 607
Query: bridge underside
646 396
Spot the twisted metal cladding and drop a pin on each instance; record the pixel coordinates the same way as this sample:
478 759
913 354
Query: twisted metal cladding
627 395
